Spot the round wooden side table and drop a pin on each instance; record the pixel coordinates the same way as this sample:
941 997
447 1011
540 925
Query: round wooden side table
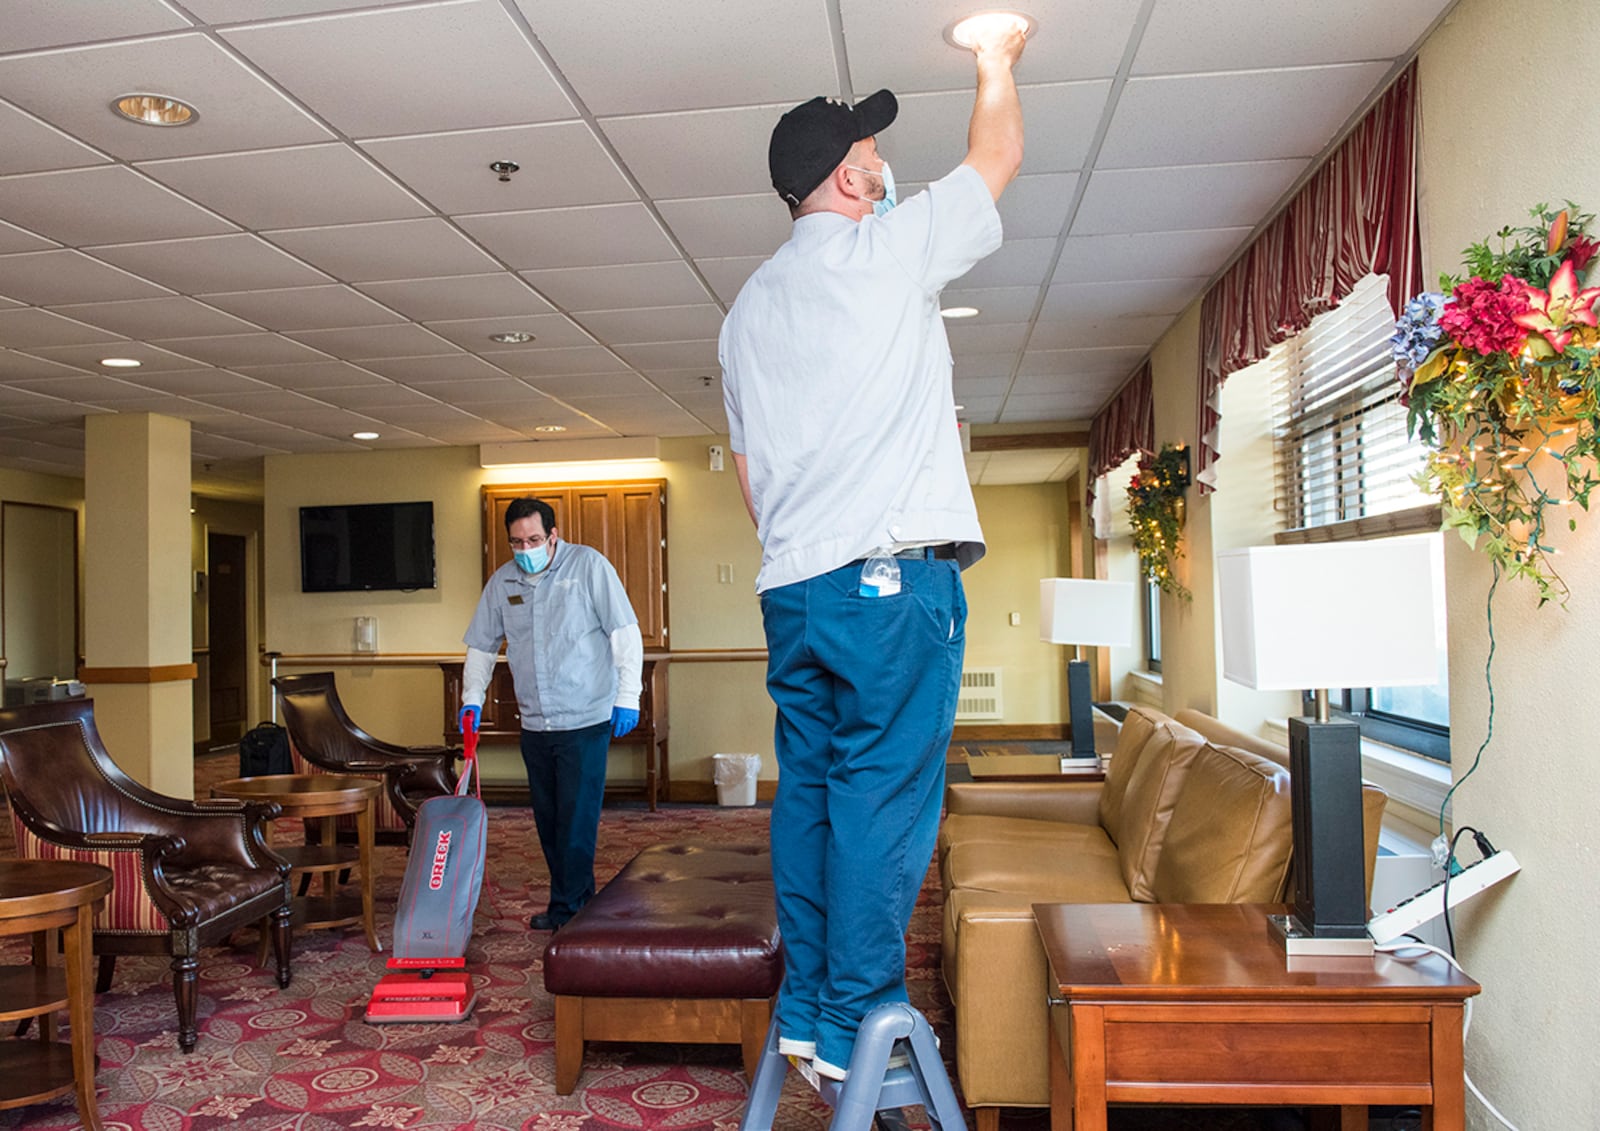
38 897
326 796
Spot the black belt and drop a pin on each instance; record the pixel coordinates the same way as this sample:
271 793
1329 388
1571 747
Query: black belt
943 552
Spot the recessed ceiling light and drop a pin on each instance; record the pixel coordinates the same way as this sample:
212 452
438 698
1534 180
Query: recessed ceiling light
363 435
960 407
979 26
550 428
512 337
155 110
120 363
959 312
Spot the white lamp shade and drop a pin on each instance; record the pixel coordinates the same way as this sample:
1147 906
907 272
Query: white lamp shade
1332 614
1079 611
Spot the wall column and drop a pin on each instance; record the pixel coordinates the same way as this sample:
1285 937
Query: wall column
139 666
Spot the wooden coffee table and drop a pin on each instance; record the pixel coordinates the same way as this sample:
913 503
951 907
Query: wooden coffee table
326 796
1196 1004
37 897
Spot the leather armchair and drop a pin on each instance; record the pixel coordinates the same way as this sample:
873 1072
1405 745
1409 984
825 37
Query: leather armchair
324 740
185 874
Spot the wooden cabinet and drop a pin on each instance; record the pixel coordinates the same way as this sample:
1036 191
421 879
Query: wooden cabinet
501 720
627 522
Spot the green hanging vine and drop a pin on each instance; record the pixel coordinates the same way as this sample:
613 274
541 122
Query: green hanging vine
1156 512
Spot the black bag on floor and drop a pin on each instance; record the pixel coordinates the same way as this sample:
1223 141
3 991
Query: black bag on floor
264 749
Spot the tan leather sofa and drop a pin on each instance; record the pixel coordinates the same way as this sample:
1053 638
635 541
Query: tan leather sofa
1191 811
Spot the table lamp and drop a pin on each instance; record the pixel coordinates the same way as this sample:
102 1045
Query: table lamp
1076 610
1314 617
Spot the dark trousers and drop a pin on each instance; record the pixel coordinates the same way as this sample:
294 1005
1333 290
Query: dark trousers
566 779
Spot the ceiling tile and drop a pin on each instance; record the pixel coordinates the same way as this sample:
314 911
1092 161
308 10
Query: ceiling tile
929 137
561 163
974 388
268 189
28 145
1046 365
404 340
572 237
670 355
105 205
969 367
418 57
554 362
397 249
729 225
1091 331
1242 116
1183 197
1111 300
994 304
46 278
373 398
21 367
238 109
14 239
727 275
152 319
423 371
1074 402
1143 255
661 63
237 11
242 349
151 358
591 385
499 295
49 23
88 389
698 152
313 375
1018 263
654 324
1035 206
304 308
255 403
212 264
1201 35
978 338
474 394
195 382
577 289
25 328
702 379
549 330
900 43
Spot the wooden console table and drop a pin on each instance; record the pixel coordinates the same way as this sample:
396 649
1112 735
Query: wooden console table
501 720
37 897
1195 1004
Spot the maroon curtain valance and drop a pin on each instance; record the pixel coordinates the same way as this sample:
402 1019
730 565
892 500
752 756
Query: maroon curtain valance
1125 426
1357 215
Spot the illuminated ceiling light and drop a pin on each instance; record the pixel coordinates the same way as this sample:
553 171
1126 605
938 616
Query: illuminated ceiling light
960 312
961 408
120 363
979 26
363 435
155 110
512 337
550 428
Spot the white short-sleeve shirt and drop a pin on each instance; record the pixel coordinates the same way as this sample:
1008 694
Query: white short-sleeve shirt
836 377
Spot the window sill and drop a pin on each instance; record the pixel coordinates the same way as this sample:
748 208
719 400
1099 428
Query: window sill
1416 785
1150 680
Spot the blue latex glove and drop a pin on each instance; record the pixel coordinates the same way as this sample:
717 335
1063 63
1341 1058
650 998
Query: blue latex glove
623 719
468 719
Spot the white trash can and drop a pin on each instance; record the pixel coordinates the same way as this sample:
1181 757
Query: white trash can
735 775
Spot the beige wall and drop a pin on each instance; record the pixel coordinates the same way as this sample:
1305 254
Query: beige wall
53 491
1486 76
716 706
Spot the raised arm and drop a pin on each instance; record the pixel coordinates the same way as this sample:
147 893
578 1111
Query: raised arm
994 137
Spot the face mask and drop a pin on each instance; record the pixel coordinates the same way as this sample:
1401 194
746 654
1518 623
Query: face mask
534 560
880 207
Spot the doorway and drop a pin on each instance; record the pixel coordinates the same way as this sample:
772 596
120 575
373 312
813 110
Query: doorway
225 618
38 594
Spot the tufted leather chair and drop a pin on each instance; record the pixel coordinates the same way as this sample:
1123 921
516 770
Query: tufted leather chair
185 874
324 740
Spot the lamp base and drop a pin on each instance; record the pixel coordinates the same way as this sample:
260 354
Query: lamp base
1297 942
1080 709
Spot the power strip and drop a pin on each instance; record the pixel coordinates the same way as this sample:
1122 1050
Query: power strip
1428 903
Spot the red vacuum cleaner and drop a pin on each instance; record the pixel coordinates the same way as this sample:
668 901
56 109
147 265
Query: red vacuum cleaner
433 920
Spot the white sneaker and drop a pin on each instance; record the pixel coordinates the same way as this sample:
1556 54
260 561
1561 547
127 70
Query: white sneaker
831 1071
805 1050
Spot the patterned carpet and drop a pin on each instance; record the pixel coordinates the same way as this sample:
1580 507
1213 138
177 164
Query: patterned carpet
301 1058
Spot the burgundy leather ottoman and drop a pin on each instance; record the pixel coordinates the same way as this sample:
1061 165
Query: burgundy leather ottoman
682 946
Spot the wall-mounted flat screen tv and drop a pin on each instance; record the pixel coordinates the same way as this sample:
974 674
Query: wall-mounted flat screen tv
366 546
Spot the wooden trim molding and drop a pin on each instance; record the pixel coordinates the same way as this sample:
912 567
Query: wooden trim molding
163 673
429 659
1013 732
1030 441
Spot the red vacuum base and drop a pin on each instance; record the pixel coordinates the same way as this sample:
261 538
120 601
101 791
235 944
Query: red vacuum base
411 997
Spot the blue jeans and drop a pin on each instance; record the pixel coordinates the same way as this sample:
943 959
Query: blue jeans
865 690
566 780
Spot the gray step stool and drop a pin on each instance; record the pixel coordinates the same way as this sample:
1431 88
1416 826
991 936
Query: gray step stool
872 1085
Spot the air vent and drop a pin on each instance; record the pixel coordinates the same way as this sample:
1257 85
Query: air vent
980 695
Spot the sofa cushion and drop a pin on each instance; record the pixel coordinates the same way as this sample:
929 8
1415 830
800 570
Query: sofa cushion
1148 800
1071 858
1230 834
1137 728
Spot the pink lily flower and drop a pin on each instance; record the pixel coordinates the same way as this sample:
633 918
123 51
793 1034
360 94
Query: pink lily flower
1564 305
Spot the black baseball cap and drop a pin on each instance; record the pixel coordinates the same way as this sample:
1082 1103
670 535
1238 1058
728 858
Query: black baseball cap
809 141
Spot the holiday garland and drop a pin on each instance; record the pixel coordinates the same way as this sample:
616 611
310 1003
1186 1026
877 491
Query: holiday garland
1156 512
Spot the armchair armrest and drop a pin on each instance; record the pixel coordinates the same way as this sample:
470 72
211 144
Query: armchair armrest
1073 802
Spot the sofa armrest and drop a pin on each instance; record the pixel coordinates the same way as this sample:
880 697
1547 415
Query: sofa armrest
1075 802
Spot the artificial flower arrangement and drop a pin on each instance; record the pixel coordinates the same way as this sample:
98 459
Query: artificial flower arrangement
1500 371
1156 511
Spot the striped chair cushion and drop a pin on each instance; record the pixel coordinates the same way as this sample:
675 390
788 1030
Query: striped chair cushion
385 817
128 910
